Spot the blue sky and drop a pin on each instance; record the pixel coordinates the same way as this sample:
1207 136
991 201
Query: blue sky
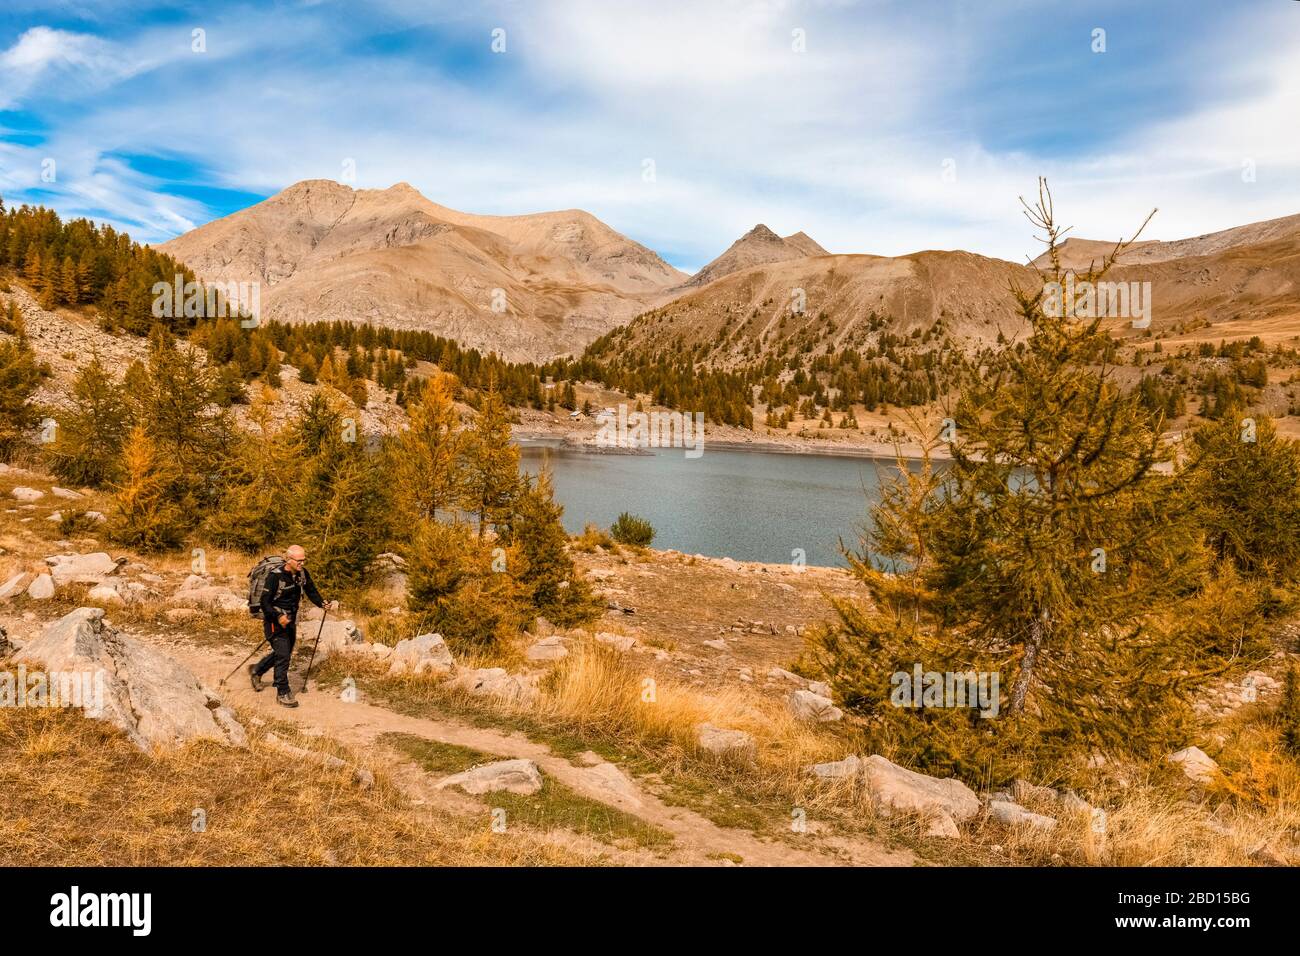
896 127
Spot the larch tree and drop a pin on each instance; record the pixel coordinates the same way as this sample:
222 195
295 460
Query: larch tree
1049 550
491 463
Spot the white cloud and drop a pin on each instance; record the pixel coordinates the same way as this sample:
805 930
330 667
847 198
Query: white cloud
845 140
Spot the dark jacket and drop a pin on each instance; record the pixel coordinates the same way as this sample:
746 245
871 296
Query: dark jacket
284 591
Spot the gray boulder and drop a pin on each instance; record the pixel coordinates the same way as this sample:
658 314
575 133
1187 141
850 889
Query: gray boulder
148 695
806 705
336 636
105 594
426 654
847 768
548 649
513 776
210 597
1196 764
1014 815
41 588
81 568
620 642
896 789
610 785
15 585
360 776
721 741
496 682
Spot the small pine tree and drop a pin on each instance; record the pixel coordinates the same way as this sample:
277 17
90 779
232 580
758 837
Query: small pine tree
250 512
632 530
176 400
545 570
491 463
425 458
88 441
20 374
341 506
463 587
1049 551
145 514
1248 488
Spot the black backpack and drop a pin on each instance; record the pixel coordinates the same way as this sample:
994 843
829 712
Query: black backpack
257 582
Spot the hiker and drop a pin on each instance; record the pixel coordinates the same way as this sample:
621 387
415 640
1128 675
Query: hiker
283 592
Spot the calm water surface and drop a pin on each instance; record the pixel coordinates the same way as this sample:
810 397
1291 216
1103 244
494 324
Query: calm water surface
752 506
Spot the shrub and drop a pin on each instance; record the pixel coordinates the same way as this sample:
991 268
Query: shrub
631 530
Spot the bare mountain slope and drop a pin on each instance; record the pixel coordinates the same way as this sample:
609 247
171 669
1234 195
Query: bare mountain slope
527 287
758 246
847 301
1236 283
1080 253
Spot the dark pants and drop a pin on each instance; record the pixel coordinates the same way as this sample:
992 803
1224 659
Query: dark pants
281 640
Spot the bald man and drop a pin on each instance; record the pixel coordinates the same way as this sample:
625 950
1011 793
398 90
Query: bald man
285 587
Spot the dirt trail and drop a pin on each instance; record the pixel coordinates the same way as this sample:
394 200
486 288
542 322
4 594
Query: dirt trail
697 840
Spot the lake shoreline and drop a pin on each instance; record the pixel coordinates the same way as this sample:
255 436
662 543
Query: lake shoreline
581 443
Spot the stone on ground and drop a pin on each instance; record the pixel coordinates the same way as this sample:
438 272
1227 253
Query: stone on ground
104 594
496 682
23 493
1198 766
620 642
148 695
849 767
208 596
336 637
1014 815
548 649
722 741
15 585
806 705
81 568
513 776
360 776
426 654
897 789
611 785
41 588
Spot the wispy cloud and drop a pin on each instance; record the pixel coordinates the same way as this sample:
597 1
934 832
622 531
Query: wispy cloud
875 126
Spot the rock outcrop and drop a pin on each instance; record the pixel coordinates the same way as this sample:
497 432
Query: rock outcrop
360 776
151 697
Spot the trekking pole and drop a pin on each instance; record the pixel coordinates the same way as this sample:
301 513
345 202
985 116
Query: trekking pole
307 676
222 682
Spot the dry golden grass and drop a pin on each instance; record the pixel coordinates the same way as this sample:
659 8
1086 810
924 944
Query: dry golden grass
1153 817
74 791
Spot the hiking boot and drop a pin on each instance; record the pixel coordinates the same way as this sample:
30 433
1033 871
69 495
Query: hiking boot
255 677
287 700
